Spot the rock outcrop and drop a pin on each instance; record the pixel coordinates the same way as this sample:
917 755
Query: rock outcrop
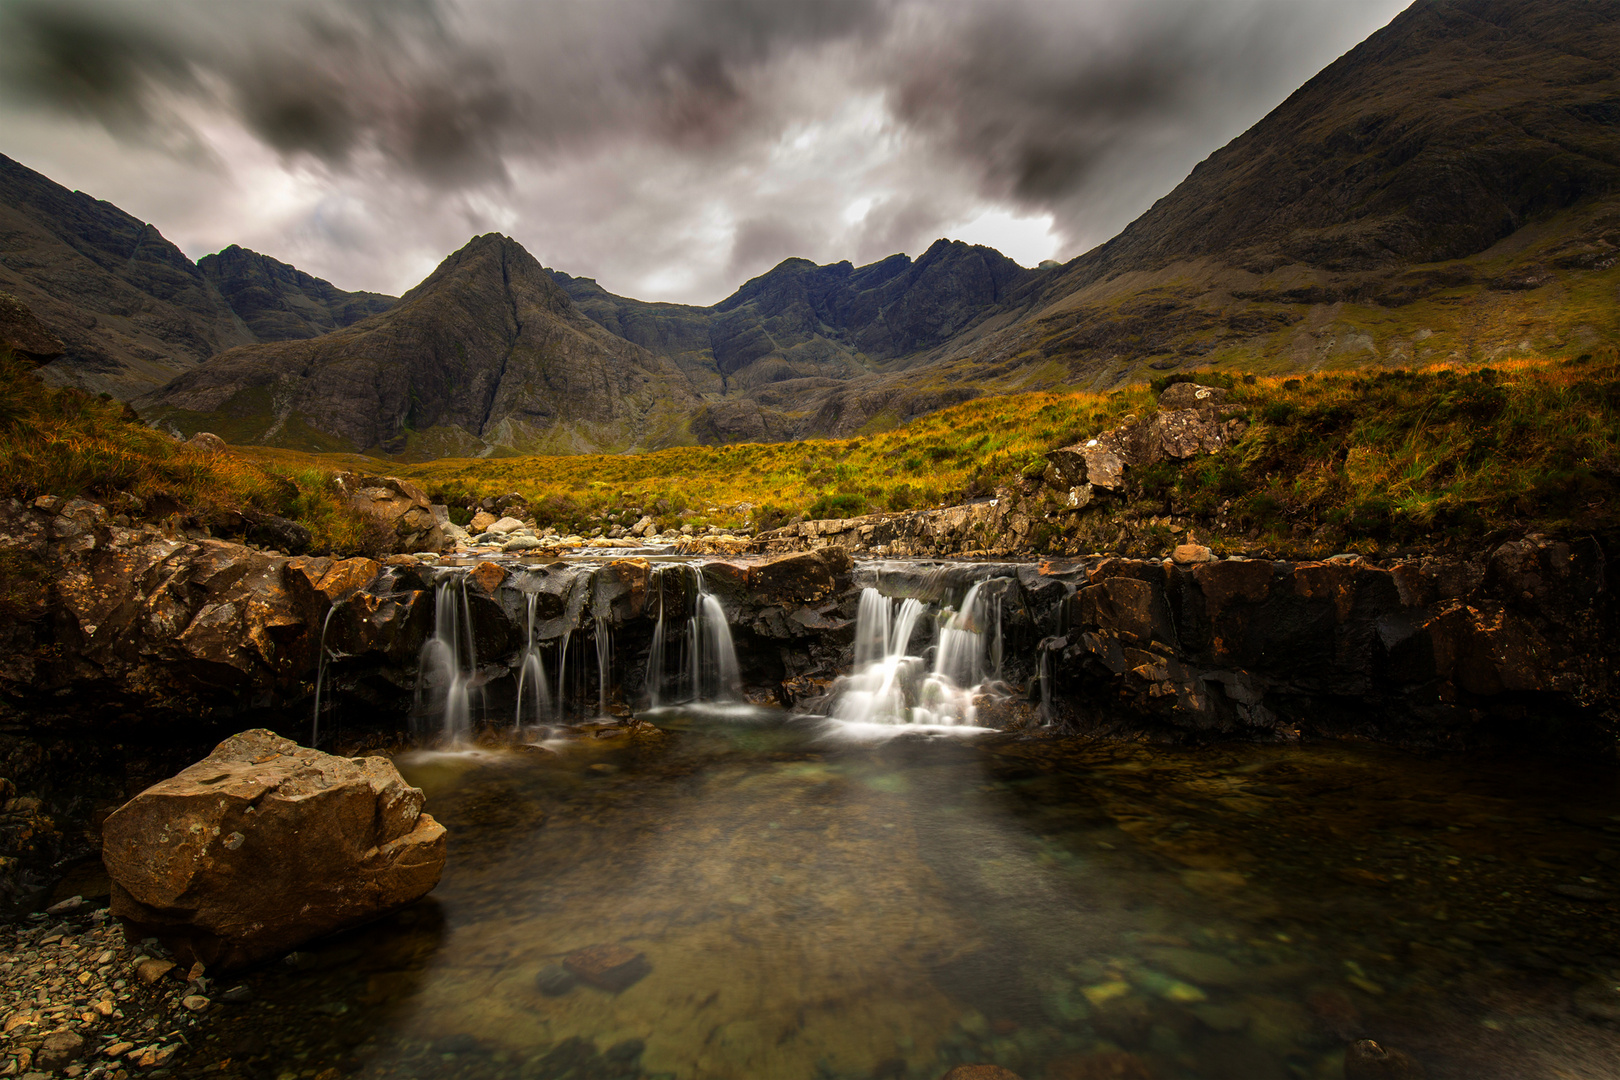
122 617
264 845
400 508
282 303
1509 647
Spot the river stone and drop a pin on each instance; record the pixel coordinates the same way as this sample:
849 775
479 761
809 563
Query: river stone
326 843
608 967
980 1072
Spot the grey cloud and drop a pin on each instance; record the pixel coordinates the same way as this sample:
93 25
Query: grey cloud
434 113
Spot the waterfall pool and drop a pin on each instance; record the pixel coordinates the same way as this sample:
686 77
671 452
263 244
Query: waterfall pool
782 904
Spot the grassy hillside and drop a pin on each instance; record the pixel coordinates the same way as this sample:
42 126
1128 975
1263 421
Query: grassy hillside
69 443
1363 457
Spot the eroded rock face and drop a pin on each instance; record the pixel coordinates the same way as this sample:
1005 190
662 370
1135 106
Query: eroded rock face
122 616
264 845
1423 651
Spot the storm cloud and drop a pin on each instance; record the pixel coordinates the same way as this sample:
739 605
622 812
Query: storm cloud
670 148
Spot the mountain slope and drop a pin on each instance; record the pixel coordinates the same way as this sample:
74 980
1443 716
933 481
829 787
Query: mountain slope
767 357
132 310
1450 188
282 303
487 353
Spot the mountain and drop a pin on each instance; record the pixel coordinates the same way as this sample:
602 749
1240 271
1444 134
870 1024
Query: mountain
768 357
280 302
487 353
130 308
1450 188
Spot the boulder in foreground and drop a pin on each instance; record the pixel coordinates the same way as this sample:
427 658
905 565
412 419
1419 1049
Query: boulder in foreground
264 845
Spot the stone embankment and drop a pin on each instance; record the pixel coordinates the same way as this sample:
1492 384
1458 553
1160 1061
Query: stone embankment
1512 646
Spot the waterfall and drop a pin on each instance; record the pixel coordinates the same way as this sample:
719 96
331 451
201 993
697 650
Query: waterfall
655 654
889 685
604 664
320 677
532 688
708 661
448 664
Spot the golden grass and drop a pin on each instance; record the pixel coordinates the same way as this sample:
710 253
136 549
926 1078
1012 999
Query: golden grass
1373 452
66 442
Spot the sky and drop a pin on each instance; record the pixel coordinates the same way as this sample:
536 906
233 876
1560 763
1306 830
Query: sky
671 149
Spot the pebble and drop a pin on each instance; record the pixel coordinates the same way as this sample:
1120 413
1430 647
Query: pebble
77 999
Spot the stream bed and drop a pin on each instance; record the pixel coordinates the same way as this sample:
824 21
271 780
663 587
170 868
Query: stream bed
810 907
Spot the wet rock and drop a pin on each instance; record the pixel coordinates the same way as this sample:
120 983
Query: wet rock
1367 1060
608 967
554 980
329 843
195 1002
237 995
980 1072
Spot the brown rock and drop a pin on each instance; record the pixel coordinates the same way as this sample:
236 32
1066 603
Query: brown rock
400 506
608 967
980 1072
1115 1066
265 845
58 1050
206 442
481 521
1367 1060
1187 554
801 577
1232 580
346 578
1186 395
488 576
150 971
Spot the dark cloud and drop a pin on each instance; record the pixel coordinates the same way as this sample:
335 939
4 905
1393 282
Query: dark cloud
700 140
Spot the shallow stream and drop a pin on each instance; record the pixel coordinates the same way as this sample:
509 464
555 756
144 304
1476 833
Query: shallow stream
814 908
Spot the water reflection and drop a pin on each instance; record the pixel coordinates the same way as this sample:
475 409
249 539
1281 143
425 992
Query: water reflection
818 910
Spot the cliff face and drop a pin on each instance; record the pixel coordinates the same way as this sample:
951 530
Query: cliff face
282 303
487 352
130 308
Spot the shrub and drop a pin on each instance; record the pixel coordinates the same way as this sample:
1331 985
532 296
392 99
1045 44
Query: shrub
846 505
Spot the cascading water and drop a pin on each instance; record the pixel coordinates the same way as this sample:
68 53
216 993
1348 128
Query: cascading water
320 677
448 665
708 671
533 695
604 664
889 685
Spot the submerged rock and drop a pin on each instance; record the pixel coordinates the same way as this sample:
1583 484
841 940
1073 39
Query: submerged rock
264 845
607 967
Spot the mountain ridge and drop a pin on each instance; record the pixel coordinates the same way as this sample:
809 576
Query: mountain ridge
1448 189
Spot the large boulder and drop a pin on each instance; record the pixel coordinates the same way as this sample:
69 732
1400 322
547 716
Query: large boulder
399 506
264 845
